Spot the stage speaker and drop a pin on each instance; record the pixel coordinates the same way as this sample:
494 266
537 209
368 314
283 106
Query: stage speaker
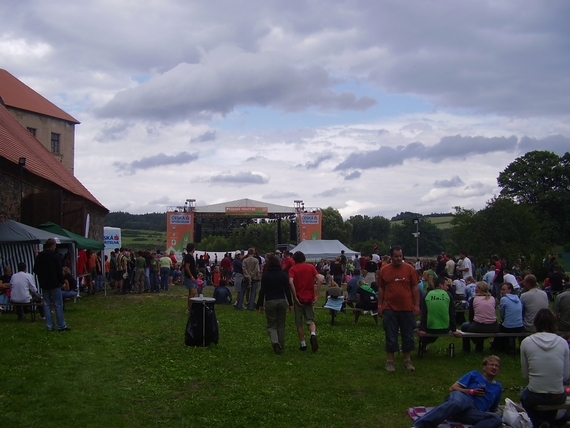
293 231
197 233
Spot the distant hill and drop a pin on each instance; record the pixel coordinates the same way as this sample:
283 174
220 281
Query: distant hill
441 220
151 221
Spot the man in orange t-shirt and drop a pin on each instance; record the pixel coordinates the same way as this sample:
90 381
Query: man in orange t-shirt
399 297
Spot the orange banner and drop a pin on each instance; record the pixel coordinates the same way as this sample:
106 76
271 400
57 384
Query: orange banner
180 230
310 225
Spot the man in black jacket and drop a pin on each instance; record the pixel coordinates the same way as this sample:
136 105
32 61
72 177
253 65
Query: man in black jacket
49 270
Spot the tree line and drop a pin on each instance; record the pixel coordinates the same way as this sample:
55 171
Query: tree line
529 220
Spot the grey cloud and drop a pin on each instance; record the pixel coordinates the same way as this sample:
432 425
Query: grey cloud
558 144
455 181
206 136
155 161
228 78
320 159
353 175
280 195
457 146
332 192
239 178
113 131
451 147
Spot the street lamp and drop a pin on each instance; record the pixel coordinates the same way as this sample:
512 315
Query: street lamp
417 236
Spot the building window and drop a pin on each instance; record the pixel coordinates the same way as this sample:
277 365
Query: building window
32 131
55 143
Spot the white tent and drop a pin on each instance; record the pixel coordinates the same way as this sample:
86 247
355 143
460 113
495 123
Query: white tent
323 249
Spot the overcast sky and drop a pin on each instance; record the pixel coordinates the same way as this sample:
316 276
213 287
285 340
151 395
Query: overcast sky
371 107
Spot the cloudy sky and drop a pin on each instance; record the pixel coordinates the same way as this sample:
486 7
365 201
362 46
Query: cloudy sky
371 107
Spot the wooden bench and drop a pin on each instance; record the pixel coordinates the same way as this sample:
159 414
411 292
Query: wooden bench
563 406
32 305
345 309
470 335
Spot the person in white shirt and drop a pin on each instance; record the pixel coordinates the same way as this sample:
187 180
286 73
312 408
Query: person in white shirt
22 286
23 289
465 268
510 278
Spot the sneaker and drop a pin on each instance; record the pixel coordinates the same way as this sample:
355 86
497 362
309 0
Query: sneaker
277 348
409 366
64 329
314 343
390 367
303 348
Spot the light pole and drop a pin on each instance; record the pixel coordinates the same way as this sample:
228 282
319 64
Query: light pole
417 236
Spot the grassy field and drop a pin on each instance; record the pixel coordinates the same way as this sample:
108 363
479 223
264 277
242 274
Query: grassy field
440 222
124 364
143 239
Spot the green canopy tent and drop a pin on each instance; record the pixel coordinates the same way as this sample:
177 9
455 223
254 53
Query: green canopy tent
80 242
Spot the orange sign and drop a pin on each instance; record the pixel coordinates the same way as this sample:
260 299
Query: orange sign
310 225
180 230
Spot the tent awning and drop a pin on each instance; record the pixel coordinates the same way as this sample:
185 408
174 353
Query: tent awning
80 242
12 232
323 249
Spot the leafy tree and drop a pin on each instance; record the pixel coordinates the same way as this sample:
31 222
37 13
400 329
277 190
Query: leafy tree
334 227
365 229
503 227
541 180
405 215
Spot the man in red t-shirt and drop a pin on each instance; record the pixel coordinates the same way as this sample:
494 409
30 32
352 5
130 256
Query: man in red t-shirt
302 278
399 297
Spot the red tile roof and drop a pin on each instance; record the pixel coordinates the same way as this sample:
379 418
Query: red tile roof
16 94
17 142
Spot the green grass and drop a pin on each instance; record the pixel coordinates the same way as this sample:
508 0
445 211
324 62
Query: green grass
143 239
440 222
124 364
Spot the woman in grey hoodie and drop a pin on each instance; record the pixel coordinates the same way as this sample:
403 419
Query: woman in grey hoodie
545 364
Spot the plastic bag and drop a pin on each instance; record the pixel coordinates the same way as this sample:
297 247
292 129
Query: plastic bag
515 416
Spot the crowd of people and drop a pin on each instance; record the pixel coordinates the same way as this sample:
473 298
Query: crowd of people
438 291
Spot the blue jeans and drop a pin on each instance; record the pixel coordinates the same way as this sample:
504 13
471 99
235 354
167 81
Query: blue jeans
243 284
252 292
53 297
530 400
147 278
154 281
164 274
459 407
405 322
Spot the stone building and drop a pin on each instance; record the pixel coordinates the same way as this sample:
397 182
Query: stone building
36 184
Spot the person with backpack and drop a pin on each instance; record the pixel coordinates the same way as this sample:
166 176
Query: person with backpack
367 300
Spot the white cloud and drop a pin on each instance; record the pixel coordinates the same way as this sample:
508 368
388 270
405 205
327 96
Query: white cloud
370 107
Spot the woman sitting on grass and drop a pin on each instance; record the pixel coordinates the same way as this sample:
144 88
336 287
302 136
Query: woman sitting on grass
482 317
